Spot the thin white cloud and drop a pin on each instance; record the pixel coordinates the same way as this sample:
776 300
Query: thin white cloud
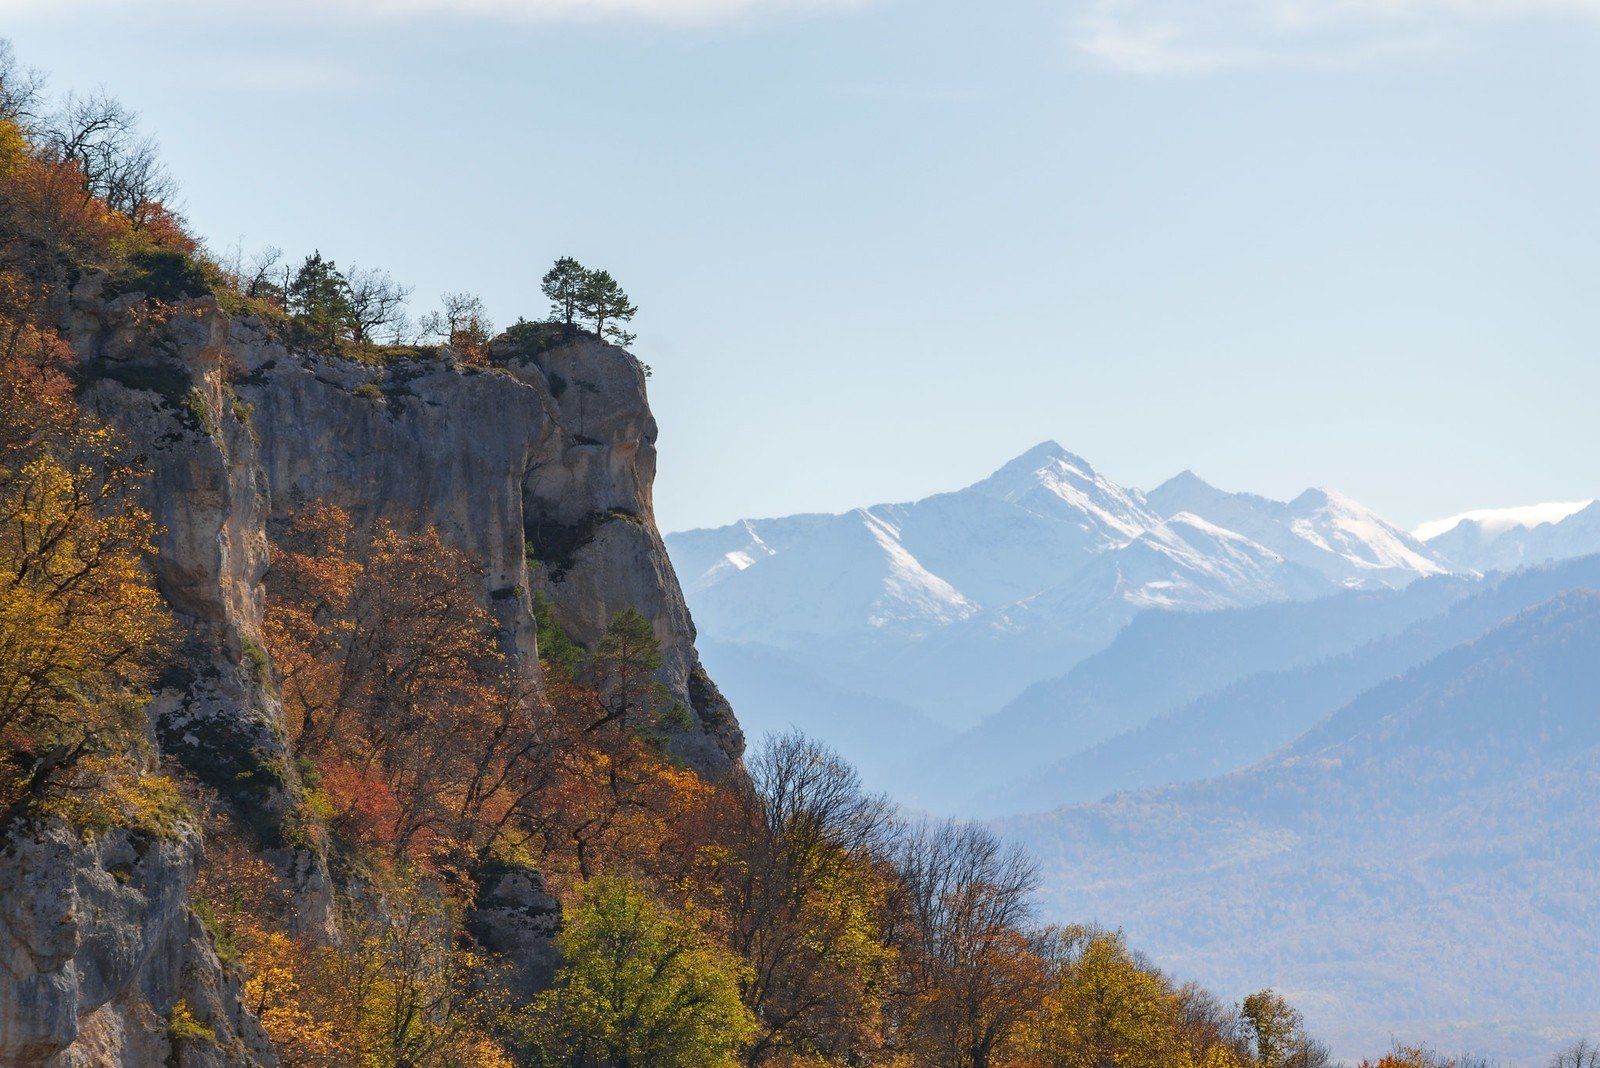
568 10
1498 520
665 11
1190 36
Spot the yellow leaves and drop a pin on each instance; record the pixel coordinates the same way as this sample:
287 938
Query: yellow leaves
643 984
13 148
396 989
77 607
1219 1057
1108 1008
80 619
274 991
149 805
184 1026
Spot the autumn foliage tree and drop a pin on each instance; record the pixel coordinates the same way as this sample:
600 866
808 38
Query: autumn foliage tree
971 975
463 323
643 987
1278 1033
1105 1006
394 686
80 619
797 865
427 739
398 987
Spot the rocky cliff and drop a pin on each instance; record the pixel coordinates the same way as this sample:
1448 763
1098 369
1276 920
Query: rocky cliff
538 466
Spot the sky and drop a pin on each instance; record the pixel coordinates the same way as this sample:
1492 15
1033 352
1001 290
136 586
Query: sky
881 246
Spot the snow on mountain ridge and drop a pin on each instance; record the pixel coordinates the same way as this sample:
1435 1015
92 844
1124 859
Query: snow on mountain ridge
1500 520
954 604
1046 533
1508 538
1342 526
910 591
1321 529
1046 477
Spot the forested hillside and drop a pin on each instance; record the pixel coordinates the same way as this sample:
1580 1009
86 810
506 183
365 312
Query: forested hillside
1251 718
1439 827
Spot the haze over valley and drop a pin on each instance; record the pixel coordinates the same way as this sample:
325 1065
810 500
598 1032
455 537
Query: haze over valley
1265 737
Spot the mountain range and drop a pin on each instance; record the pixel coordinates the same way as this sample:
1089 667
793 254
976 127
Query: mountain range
955 623
1280 742
1508 538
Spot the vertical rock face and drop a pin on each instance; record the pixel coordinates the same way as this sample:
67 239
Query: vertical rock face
98 946
589 519
165 381
539 467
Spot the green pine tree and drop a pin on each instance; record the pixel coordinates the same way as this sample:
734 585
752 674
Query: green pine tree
563 284
319 300
603 301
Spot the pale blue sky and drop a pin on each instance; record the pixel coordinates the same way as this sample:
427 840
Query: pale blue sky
883 245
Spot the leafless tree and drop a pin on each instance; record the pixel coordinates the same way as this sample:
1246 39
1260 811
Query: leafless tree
463 325
258 277
1581 1054
1205 1023
21 90
970 968
377 303
802 831
118 163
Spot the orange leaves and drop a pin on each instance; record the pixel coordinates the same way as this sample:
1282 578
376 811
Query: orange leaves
80 620
429 744
307 625
364 808
396 988
160 227
45 205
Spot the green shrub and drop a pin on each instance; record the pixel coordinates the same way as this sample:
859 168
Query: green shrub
556 647
184 1026
260 664
223 937
676 717
162 274
198 410
305 826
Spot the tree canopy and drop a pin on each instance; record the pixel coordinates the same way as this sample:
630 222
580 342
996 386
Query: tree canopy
577 292
643 987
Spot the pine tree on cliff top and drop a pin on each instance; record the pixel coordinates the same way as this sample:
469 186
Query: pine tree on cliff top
563 284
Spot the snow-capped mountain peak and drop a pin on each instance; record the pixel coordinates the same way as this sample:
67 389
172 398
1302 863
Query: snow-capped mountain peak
1053 483
1320 529
1341 526
1183 492
1047 535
